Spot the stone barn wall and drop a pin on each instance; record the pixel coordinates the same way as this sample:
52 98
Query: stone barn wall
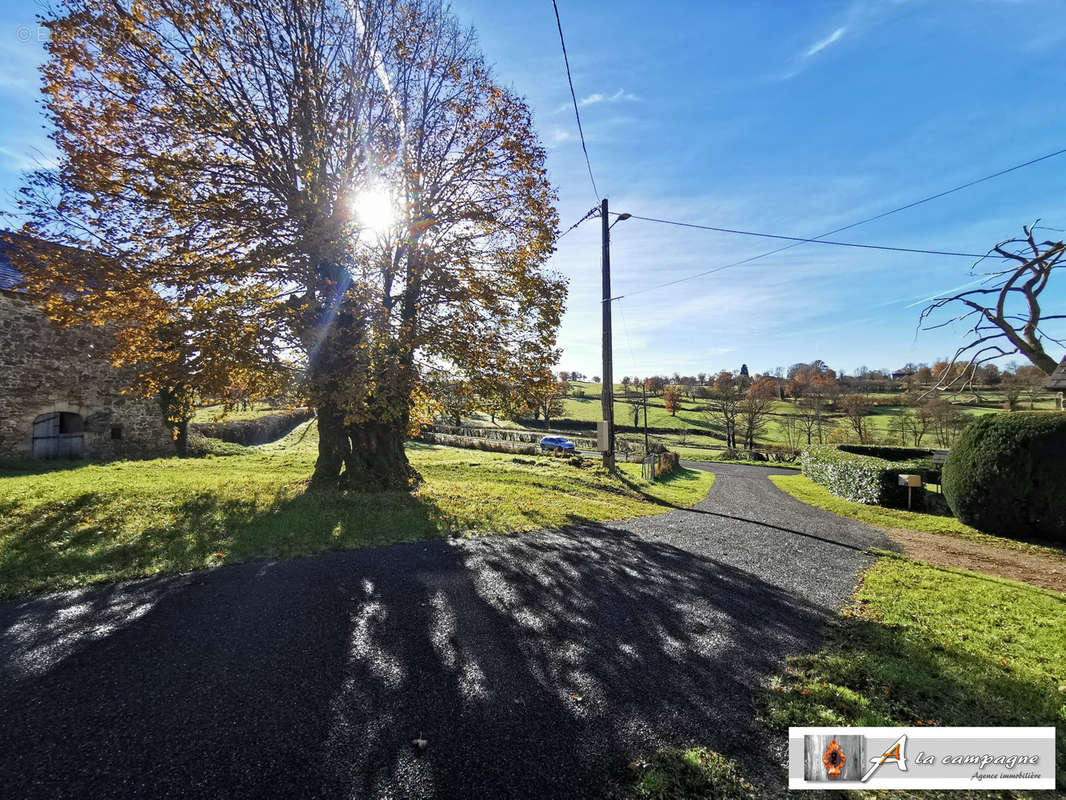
45 369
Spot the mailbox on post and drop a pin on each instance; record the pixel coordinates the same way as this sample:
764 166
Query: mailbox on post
911 482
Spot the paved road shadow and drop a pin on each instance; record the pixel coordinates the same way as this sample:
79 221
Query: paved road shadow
534 666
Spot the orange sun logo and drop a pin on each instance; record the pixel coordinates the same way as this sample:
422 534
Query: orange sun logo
834 759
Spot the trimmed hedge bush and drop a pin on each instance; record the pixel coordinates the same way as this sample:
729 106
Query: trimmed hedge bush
1007 475
863 478
888 453
487 445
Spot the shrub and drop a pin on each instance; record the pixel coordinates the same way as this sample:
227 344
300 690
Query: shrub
1007 475
852 474
201 446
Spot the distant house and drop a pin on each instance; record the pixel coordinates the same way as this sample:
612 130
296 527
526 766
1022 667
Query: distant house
60 397
903 373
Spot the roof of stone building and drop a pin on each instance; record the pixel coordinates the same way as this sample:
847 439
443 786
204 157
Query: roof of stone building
10 277
1057 380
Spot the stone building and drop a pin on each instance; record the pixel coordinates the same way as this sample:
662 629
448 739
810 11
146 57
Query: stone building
60 397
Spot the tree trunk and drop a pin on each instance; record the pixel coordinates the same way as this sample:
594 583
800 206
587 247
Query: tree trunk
176 408
377 460
181 438
333 448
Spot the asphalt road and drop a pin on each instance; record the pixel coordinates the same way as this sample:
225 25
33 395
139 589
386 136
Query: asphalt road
532 666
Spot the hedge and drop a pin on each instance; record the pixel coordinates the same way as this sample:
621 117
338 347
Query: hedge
864 478
778 455
569 425
487 445
505 434
261 430
1007 475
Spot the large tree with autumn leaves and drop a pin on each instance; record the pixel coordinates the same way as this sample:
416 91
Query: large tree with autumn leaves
338 186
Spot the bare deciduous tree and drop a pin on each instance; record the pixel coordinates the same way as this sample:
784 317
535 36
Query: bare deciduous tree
856 408
1005 308
755 408
724 406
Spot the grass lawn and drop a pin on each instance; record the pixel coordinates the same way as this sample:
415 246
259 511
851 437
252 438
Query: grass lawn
813 494
76 523
924 645
217 412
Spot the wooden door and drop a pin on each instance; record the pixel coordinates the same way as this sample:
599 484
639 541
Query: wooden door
46 436
58 435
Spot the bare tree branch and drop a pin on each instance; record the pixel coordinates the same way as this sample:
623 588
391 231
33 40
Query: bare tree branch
1009 316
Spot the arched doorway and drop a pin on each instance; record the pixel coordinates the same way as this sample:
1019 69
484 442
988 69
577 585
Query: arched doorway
60 434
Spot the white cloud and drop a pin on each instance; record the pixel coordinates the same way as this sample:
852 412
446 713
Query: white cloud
599 97
819 46
561 136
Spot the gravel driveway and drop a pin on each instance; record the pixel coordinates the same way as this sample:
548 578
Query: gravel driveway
532 666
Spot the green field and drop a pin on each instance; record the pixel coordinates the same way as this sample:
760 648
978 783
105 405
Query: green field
700 431
71 524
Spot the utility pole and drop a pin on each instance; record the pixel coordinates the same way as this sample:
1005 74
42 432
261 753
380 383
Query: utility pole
607 394
645 387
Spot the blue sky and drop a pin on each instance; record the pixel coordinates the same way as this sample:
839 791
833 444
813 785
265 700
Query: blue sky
785 116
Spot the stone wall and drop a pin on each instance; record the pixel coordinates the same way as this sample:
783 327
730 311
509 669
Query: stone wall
46 369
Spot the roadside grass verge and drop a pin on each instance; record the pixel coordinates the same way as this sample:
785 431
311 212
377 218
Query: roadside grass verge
918 646
925 645
83 523
807 491
677 488
689 774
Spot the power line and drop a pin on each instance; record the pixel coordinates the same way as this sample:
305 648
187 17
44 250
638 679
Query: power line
938 195
592 212
573 96
853 224
809 240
